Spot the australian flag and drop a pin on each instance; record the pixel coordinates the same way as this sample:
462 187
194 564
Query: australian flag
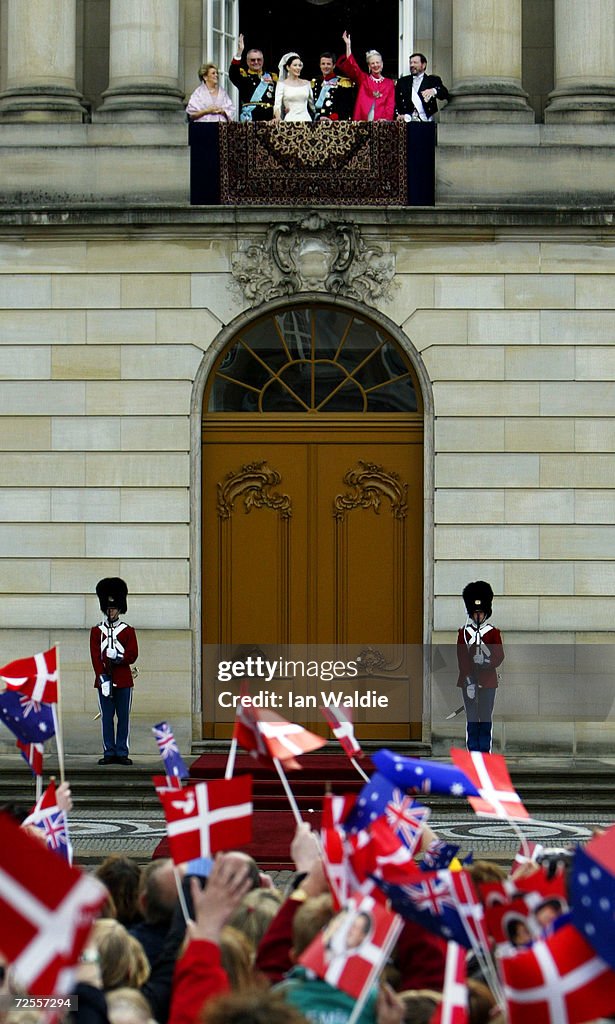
592 893
169 751
55 830
370 804
438 855
47 815
380 798
423 776
28 720
429 902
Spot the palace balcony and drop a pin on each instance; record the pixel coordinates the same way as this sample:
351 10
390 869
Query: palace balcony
54 166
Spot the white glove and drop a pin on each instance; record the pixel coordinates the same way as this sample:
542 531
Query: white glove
479 657
105 686
111 654
471 691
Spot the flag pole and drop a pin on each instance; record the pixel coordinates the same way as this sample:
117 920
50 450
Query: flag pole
180 894
354 761
376 971
483 956
520 836
38 791
57 718
230 761
289 793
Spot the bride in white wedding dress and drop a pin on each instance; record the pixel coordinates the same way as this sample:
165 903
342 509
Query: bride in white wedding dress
293 94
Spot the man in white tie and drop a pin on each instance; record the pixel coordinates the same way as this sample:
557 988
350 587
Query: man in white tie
417 94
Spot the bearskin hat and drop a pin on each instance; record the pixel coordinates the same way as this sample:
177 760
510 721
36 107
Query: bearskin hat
478 596
112 592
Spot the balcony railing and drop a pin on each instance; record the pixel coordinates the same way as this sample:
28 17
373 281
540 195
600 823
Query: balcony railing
344 163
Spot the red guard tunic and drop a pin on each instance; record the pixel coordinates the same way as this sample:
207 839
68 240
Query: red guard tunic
470 640
124 639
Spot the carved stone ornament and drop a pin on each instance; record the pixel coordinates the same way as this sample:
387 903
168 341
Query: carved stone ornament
313 254
253 483
370 483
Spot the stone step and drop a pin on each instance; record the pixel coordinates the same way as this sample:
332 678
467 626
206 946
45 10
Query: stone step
584 789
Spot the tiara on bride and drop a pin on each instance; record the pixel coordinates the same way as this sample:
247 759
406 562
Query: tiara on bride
282 69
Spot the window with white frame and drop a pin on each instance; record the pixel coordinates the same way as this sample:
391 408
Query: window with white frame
221 24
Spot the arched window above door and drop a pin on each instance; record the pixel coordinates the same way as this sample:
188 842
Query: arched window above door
313 359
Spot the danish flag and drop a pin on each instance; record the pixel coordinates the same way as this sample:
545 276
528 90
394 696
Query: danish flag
336 808
266 736
498 797
343 730
352 962
167 783
560 980
33 754
454 1006
46 908
208 817
37 677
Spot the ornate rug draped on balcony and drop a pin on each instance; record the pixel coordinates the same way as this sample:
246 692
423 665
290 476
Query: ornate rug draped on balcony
344 163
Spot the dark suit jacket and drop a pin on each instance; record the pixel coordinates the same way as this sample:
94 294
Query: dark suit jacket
403 94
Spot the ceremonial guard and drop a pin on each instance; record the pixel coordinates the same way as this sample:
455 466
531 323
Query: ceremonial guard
256 86
114 649
479 653
334 95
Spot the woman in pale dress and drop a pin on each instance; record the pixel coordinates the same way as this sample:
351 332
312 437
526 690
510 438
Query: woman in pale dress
293 94
210 102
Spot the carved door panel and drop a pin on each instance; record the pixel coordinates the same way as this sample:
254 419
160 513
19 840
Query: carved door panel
254 551
313 535
369 600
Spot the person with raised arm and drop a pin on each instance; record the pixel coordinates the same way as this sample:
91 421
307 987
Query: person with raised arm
256 86
376 94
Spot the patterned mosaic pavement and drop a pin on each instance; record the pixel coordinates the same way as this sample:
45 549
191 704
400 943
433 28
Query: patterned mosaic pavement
96 833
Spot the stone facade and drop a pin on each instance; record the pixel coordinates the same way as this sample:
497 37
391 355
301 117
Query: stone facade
104 342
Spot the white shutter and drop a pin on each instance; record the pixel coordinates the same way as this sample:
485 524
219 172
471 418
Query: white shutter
220 30
406 34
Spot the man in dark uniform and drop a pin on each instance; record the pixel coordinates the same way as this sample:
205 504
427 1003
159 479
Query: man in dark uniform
479 653
334 95
113 649
417 94
256 87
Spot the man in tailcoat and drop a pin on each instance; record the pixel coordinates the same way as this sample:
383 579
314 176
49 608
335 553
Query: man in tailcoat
417 94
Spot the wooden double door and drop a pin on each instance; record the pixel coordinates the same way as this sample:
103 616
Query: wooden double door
312 538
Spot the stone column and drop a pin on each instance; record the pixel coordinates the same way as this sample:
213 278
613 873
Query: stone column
143 62
41 65
487 63
584 63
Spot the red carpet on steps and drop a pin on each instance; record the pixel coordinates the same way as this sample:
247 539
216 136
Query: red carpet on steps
273 824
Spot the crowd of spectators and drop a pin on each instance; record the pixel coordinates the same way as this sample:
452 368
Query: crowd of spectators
230 954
